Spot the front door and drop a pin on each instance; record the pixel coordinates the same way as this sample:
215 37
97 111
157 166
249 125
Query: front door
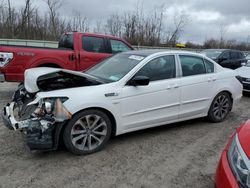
156 103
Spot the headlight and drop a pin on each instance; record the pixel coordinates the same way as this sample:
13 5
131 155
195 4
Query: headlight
5 58
239 163
53 107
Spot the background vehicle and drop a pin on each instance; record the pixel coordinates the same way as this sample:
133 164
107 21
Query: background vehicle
248 58
234 167
226 58
244 74
127 92
76 51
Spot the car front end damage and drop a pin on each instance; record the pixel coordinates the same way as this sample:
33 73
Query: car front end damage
40 120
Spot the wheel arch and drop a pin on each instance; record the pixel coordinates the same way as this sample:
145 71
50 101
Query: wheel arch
109 114
53 65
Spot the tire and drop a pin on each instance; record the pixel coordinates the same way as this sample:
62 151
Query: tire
220 107
87 132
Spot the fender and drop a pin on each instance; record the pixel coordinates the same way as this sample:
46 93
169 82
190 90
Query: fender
42 61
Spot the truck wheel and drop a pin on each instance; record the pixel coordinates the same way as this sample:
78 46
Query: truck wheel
220 107
87 132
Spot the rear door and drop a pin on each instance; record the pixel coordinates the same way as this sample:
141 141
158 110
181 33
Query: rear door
92 51
198 85
225 60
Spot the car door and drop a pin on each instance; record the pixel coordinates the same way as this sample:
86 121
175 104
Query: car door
156 103
225 60
236 60
198 84
94 50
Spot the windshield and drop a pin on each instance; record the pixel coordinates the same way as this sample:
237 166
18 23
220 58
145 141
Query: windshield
248 57
213 54
115 67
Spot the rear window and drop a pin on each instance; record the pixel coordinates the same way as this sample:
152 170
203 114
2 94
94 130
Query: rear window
66 41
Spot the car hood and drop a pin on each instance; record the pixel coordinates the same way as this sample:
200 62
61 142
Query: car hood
49 79
244 71
244 137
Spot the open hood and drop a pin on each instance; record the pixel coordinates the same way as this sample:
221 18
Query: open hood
49 79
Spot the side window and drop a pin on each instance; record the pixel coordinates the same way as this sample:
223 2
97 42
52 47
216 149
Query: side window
159 68
225 55
118 46
192 65
234 55
209 66
93 44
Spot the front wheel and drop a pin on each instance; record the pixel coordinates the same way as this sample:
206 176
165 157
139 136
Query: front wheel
87 132
220 107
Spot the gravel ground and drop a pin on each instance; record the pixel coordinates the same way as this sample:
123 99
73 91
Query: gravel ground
172 156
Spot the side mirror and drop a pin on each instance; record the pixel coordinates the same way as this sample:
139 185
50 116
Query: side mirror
139 81
243 64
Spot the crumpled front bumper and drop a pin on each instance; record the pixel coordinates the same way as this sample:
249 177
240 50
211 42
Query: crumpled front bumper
36 139
10 120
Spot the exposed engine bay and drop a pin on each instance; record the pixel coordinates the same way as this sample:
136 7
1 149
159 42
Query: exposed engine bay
62 80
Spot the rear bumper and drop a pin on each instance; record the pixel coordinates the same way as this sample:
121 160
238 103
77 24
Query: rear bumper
224 177
2 77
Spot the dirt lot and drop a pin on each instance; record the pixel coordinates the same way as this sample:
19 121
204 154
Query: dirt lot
178 155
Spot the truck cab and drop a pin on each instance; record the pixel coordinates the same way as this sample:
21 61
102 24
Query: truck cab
76 51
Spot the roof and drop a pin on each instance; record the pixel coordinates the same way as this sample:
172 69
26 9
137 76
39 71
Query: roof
154 51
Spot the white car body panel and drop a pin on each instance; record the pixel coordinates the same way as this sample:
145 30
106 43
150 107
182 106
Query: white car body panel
244 71
161 102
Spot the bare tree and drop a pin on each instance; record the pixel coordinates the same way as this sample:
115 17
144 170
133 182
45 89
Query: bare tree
54 6
79 22
223 29
114 25
98 27
179 23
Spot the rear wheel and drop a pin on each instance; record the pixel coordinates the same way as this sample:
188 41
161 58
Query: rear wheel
220 107
87 132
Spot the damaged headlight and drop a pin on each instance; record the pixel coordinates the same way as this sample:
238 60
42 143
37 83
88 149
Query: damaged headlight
239 163
53 108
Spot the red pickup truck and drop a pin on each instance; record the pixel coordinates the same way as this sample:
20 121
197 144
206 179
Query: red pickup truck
76 51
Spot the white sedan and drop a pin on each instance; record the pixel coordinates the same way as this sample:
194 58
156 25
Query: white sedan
127 92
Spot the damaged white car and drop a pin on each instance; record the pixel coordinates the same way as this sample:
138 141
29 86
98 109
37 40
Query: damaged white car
127 92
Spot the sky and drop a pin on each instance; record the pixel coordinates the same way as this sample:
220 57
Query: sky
206 18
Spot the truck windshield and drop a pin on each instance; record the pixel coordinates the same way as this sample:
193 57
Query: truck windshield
115 67
66 41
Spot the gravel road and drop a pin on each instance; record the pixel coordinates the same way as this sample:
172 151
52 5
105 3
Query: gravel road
172 156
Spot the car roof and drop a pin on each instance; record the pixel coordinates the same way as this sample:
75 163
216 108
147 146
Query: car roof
159 51
222 50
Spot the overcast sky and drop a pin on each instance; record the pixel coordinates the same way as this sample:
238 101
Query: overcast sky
206 17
